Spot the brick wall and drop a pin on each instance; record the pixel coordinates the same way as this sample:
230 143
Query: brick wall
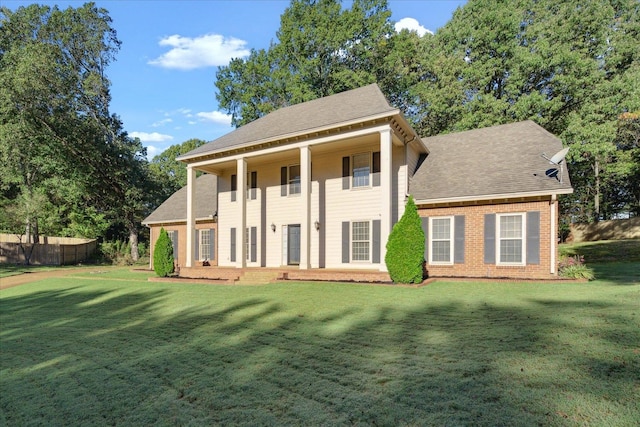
181 228
474 265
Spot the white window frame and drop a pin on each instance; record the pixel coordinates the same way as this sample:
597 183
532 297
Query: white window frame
522 238
291 183
352 241
172 236
451 240
201 250
354 184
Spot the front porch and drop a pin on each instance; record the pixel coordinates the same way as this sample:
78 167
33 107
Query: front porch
256 276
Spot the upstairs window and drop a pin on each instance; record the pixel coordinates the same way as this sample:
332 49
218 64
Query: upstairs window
361 170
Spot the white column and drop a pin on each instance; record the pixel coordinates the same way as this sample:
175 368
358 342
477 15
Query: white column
554 235
191 215
305 221
386 193
241 197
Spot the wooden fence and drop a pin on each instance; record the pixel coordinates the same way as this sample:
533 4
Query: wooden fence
50 250
616 229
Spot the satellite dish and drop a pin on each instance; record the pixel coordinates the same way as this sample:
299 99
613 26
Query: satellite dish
557 159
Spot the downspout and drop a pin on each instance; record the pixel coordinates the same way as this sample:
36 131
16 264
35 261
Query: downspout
553 237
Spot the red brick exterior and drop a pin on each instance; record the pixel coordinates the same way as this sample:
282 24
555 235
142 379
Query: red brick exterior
181 228
474 265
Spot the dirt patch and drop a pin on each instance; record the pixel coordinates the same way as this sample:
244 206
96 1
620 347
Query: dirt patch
28 277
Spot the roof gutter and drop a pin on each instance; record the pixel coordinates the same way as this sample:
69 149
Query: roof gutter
494 197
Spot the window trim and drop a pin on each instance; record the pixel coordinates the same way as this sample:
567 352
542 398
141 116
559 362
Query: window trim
451 240
523 239
290 183
369 242
368 155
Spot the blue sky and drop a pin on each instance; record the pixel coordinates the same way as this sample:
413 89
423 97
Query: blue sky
163 77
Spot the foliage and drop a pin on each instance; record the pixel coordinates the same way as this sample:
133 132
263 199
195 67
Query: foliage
171 175
116 252
405 247
573 267
321 50
485 354
163 255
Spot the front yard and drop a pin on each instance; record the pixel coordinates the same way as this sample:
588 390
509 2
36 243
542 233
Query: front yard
109 348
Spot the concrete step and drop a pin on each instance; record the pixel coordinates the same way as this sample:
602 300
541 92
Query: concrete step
257 277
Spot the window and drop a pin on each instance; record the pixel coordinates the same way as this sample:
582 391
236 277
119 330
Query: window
361 169
173 235
441 240
252 185
294 179
360 241
510 236
205 244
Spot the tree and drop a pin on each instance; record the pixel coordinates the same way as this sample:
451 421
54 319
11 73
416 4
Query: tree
321 50
163 255
171 175
405 247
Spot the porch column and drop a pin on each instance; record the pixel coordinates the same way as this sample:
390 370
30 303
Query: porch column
241 249
386 190
305 221
191 215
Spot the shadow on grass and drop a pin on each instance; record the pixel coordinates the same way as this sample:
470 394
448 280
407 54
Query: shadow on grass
121 357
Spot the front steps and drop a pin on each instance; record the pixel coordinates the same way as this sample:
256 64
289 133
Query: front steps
257 277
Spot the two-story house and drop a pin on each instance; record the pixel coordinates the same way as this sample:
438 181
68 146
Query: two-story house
319 186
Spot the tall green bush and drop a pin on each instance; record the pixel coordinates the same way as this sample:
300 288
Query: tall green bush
163 255
405 247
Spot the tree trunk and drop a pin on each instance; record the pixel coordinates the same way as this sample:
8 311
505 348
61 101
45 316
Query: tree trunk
596 201
133 241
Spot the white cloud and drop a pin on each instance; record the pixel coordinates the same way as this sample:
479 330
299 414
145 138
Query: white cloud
161 122
411 24
215 117
151 152
151 137
209 50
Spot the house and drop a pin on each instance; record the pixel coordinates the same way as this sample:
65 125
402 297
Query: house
318 186
172 216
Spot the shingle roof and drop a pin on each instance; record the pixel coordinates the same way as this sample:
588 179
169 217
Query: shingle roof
497 160
322 112
175 207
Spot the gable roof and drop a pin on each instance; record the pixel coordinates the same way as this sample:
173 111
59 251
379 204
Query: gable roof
174 209
350 106
502 160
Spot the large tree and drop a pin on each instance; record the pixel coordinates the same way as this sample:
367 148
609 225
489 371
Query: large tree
59 139
321 49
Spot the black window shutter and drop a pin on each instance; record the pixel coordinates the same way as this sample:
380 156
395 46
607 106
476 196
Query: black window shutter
283 181
234 187
376 241
376 169
254 184
212 243
254 244
458 238
490 239
533 237
346 173
425 228
174 243
345 242
232 255
197 240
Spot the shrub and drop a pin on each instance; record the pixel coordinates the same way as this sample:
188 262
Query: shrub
405 247
163 255
573 267
116 252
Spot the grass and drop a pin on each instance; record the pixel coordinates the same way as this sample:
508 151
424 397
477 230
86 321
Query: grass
110 348
604 250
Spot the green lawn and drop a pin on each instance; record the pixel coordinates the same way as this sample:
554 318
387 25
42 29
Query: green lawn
109 348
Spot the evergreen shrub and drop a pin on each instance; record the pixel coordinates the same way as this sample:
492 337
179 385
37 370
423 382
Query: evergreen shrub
163 255
405 247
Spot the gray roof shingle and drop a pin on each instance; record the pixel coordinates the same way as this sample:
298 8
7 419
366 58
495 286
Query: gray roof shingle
175 207
299 118
497 160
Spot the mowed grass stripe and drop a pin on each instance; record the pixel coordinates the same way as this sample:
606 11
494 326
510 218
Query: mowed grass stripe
81 351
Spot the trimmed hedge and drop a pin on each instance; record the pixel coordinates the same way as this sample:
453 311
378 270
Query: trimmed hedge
405 247
163 255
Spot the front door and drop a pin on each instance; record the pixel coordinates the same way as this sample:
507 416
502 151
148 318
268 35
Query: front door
293 244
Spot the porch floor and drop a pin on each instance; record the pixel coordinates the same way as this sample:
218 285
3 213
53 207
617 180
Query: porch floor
268 275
